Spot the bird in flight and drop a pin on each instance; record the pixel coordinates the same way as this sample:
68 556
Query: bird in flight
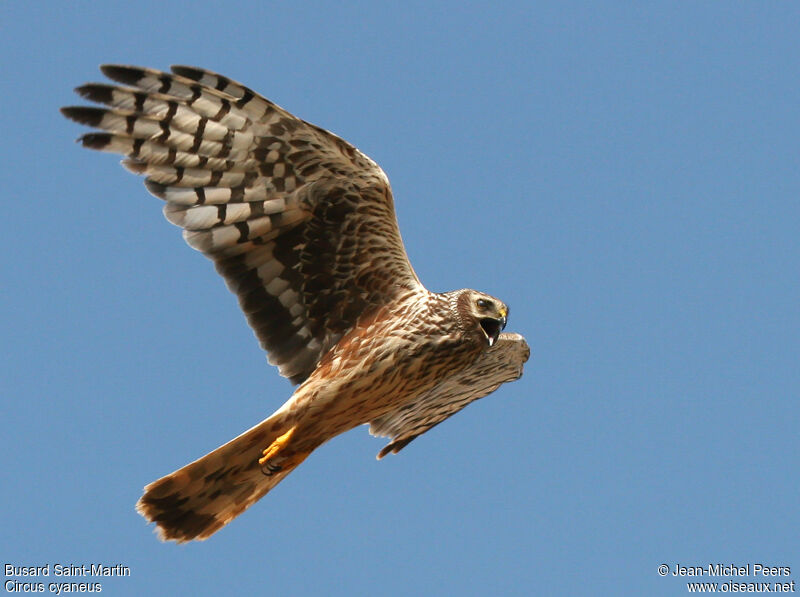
301 225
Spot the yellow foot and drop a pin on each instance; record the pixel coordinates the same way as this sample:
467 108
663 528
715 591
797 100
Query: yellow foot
270 468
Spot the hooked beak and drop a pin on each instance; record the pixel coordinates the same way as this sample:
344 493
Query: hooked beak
492 327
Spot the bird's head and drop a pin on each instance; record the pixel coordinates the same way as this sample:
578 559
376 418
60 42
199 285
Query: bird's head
483 313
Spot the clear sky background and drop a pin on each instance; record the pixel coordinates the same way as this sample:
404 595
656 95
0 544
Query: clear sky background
624 175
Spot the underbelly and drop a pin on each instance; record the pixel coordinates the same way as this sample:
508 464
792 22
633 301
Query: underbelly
357 395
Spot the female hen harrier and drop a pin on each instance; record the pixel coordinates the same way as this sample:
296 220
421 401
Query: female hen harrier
302 227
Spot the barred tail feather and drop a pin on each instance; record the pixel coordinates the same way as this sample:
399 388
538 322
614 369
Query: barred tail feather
197 500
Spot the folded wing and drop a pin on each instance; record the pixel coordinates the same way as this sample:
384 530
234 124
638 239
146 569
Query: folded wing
499 364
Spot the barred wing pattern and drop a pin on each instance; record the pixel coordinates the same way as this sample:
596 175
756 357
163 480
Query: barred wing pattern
299 222
499 364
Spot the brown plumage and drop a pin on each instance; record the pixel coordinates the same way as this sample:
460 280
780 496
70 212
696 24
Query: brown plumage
302 227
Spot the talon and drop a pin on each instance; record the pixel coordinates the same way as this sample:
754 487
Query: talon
270 469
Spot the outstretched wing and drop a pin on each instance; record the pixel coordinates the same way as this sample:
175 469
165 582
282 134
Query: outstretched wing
499 364
299 223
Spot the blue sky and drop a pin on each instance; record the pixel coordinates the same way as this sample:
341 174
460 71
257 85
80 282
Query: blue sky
624 175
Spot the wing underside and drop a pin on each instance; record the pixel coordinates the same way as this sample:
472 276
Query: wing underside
299 222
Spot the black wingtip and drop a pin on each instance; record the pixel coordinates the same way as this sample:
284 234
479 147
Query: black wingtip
95 140
190 72
84 114
156 188
120 73
96 92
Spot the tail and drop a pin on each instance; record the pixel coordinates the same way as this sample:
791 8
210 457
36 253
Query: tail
197 500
